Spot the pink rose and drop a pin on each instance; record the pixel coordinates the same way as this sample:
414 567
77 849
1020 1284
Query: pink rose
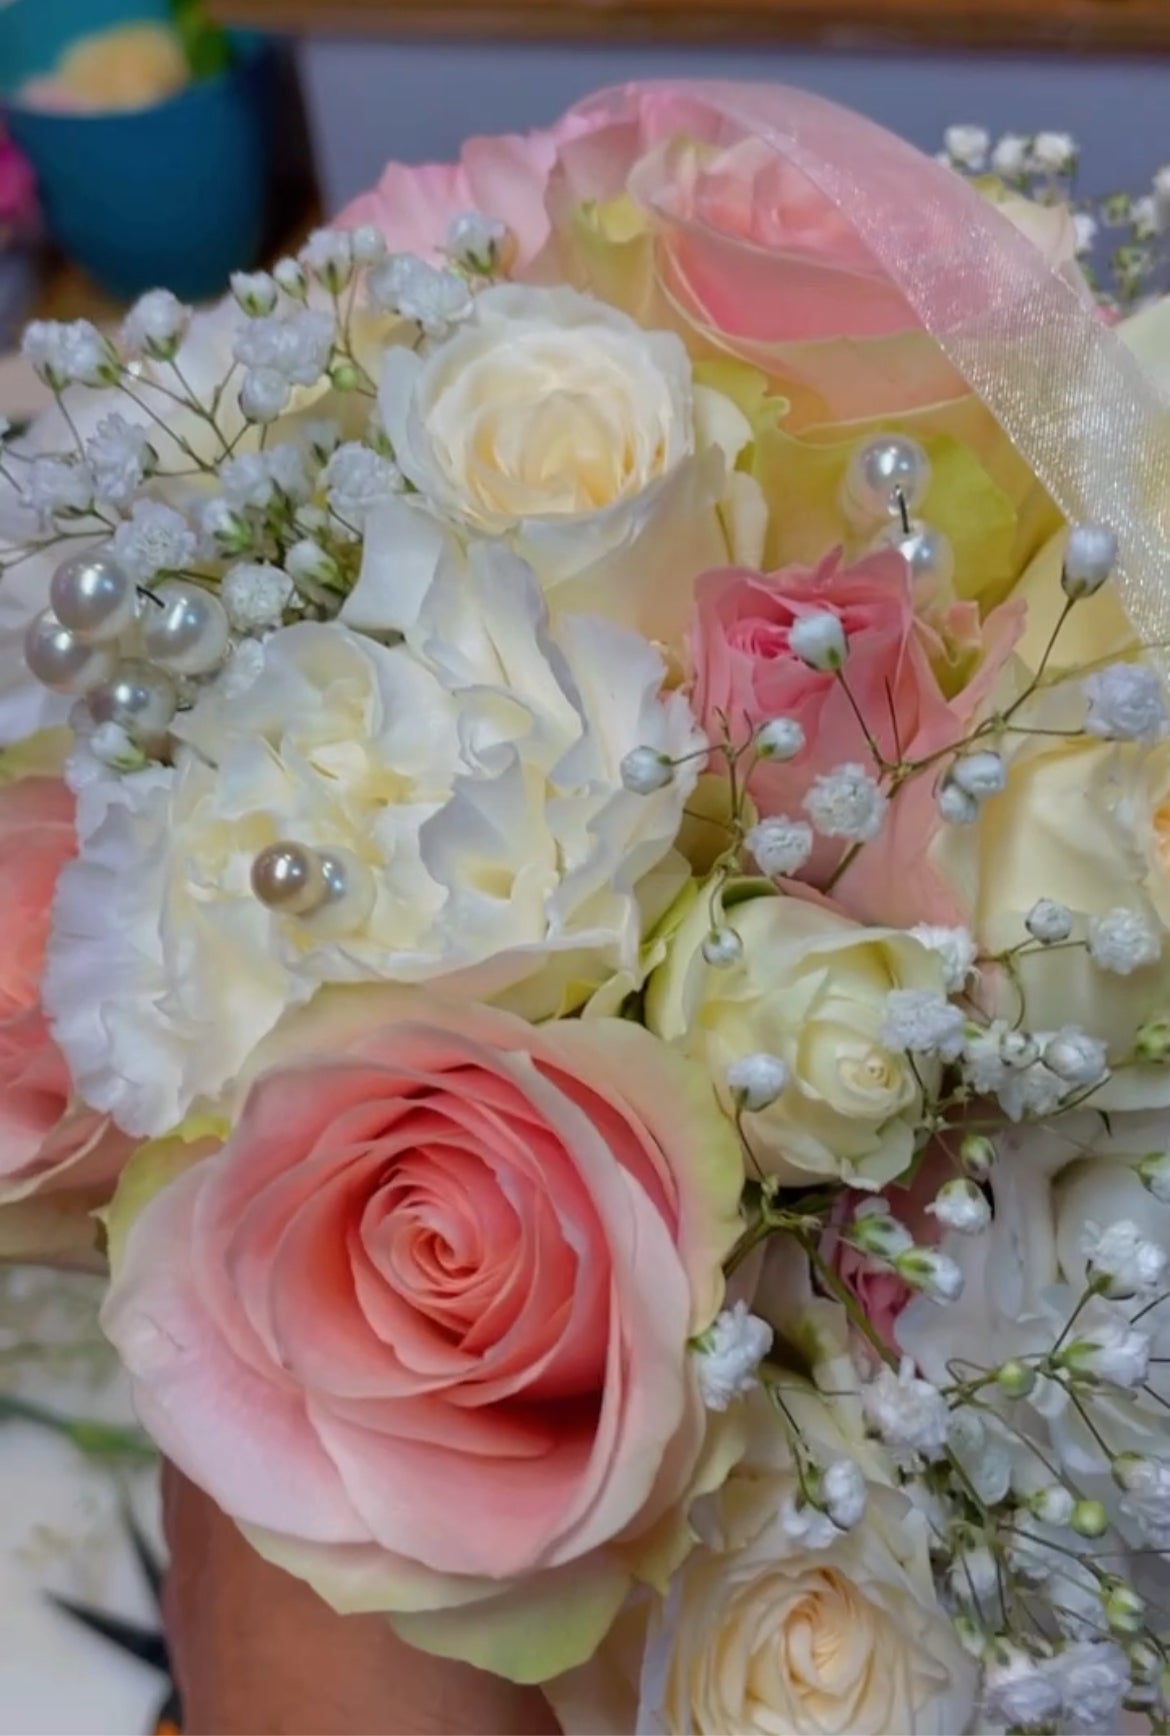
421 1326
877 1288
48 1142
746 671
503 177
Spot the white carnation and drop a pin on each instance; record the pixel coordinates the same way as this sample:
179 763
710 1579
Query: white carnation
480 788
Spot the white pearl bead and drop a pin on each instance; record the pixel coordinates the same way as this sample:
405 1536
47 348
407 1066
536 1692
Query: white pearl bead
350 895
189 631
926 551
62 661
329 889
93 596
137 697
289 879
882 474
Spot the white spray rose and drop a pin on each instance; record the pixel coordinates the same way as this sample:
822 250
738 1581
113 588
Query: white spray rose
809 987
478 785
556 423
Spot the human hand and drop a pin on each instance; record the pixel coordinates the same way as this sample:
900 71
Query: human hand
257 1653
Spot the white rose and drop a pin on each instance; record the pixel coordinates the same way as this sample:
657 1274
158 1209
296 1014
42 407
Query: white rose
481 795
1087 824
553 421
1027 1271
759 1634
810 988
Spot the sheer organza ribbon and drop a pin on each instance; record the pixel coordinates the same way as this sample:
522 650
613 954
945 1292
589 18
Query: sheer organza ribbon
1066 391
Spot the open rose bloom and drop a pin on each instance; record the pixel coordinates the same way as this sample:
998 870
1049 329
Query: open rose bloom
585 848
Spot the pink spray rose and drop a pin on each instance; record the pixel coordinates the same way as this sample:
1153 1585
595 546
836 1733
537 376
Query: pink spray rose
745 670
47 1142
421 1325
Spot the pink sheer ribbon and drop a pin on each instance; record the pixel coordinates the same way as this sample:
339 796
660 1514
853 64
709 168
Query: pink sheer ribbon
1068 394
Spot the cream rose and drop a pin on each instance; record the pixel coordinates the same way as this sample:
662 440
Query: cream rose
555 422
1086 823
759 1633
474 781
811 988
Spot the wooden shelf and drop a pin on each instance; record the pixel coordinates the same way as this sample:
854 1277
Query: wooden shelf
1071 26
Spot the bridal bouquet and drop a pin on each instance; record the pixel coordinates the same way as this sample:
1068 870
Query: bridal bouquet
585 844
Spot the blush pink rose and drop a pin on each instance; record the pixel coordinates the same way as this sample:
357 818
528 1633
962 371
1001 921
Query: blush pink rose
421 1326
745 671
505 177
48 1142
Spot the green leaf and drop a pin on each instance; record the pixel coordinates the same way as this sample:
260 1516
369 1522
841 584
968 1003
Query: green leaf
207 48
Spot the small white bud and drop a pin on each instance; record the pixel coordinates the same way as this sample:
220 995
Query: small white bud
1017 1049
1014 1378
1048 921
1124 1610
476 242
1089 560
1152 1042
722 948
308 563
290 275
818 639
1154 1171
935 1274
256 292
756 1081
264 394
369 244
979 774
960 1205
1053 1505
781 738
1122 941
1089 1519
645 769
110 744
977 1154
875 1231
728 1355
955 806
1076 1057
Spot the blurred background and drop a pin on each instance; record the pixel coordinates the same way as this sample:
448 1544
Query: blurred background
173 141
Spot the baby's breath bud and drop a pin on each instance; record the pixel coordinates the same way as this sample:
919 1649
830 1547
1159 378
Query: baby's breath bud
1089 559
1053 1505
1124 1610
290 275
1089 1519
781 738
1048 921
977 1154
979 774
1015 1379
955 806
1154 1171
645 770
256 292
369 244
344 377
960 1205
308 563
756 1081
1152 1042
818 639
722 948
935 1274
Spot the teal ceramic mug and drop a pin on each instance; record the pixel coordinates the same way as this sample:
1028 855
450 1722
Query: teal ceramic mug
174 194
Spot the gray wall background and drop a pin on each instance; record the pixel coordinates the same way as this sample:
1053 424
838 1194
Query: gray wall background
369 102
